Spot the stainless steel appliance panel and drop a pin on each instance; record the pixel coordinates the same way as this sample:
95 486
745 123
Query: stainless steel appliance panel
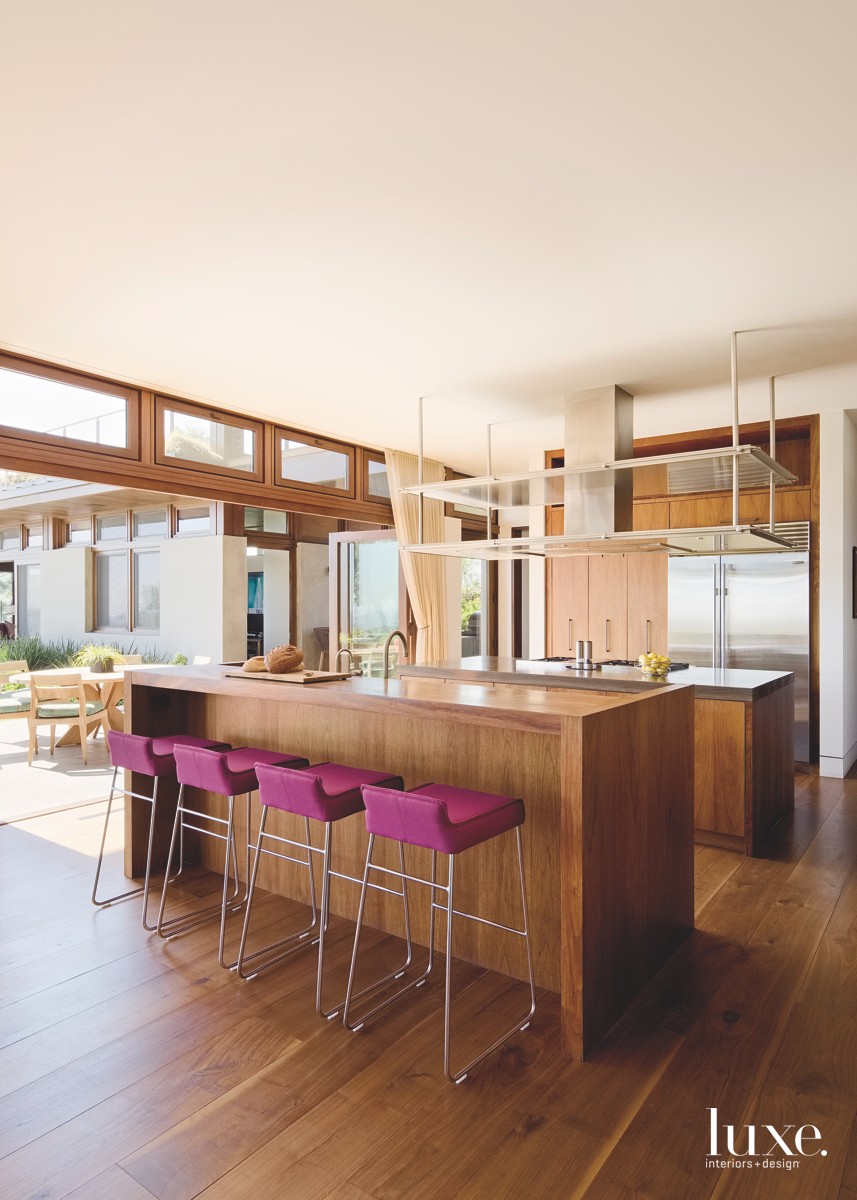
765 624
693 610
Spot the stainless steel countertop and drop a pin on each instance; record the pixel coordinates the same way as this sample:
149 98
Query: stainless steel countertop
711 684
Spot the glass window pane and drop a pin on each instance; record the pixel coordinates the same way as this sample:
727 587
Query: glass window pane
29 600
80 532
66 410
474 589
266 520
379 483
10 539
301 463
147 590
199 439
193 520
151 523
111 588
35 537
368 588
112 528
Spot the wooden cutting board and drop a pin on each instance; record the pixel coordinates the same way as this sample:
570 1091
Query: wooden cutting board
290 676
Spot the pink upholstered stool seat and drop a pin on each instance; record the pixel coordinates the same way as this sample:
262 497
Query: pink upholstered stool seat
445 820
153 756
438 817
145 756
326 792
228 773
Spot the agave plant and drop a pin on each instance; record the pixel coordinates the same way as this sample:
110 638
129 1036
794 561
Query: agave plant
97 656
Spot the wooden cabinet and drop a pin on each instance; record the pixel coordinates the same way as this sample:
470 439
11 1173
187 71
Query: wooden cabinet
568 603
617 601
608 606
647 604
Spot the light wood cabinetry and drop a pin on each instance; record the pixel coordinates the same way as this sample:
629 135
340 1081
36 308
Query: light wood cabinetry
617 601
647 604
608 606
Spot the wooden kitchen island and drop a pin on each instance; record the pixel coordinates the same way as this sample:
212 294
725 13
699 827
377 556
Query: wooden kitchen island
607 782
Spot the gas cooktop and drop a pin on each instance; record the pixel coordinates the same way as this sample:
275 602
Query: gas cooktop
610 662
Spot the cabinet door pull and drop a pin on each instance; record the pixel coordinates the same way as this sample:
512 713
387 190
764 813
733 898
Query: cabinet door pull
570 632
648 636
607 636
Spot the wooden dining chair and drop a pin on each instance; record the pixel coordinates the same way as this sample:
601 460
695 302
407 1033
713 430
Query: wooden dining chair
14 705
63 700
132 660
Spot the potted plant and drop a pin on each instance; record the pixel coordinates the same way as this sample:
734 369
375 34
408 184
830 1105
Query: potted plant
97 657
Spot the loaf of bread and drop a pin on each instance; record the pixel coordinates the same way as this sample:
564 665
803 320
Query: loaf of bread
282 659
257 663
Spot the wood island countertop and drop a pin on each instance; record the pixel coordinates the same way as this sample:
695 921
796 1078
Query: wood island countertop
606 780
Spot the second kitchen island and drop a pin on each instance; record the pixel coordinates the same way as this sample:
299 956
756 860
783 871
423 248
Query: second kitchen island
607 782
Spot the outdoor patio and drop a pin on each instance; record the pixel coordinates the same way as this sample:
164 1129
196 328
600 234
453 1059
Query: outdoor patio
53 782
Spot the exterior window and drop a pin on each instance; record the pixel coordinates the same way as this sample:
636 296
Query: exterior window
315 463
201 439
377 482
111 591
80 532
146 567
29 608
193 520
266 520
35 537
10 538
51 401
111 529
151 523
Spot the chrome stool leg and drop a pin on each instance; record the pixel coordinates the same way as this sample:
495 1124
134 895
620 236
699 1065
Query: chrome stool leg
296 941
142 890
350 994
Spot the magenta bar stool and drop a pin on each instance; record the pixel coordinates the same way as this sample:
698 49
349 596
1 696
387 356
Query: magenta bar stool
445 820
325 792
152 756
229 773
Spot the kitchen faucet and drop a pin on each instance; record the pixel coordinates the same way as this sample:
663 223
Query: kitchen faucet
397 633
339 654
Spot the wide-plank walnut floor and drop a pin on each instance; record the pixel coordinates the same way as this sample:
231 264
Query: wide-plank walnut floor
130 1068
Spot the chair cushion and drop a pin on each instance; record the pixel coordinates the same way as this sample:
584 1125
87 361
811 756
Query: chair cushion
62 708
152 756
324 791
439 817
14 702
229 773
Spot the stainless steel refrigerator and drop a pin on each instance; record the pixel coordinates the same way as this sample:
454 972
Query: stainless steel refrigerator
749 611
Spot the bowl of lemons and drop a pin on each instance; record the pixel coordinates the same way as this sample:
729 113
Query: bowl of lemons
654 664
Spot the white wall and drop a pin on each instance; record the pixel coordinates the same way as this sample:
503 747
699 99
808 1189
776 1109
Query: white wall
838 628
313 598
274 565
204 598
66 593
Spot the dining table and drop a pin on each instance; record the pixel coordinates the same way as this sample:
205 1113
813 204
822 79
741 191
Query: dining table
110 685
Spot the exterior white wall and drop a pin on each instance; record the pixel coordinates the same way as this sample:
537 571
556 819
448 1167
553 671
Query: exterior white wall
203 598
66 593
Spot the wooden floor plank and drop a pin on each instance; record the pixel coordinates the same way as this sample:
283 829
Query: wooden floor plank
181 1081
813 1075
725 1053
84 1147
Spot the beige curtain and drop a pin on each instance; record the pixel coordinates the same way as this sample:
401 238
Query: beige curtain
425 574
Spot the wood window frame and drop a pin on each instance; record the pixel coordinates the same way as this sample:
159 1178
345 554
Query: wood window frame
218 416
96 554
347 449
92 383
364 457
134 553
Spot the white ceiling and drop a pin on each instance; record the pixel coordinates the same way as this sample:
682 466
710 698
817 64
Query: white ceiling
318 212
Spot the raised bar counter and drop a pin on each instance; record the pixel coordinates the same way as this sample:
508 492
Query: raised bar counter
744 730
607 782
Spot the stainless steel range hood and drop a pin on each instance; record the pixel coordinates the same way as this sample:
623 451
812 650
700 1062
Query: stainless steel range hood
595 486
